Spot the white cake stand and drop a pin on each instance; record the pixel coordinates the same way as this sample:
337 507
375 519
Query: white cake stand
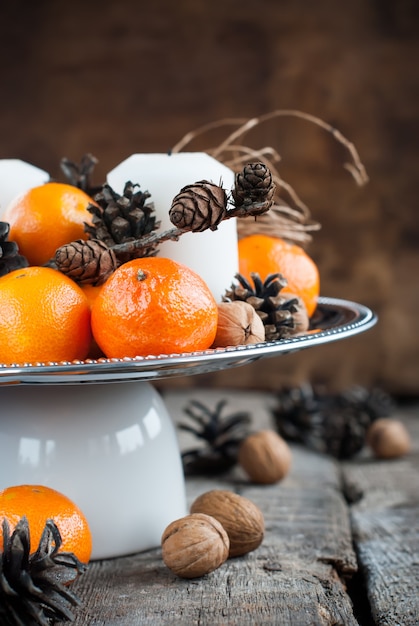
112 448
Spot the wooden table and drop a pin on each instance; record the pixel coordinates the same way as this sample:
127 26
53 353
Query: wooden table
341 547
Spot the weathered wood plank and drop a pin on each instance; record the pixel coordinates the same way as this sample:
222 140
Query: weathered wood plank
290 579
386 531
143 591
295 577
313 484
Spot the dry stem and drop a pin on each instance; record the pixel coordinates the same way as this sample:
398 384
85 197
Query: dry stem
356 168
290 223
150 241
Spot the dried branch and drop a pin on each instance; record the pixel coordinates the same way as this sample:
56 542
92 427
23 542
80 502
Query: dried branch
356 168
290 222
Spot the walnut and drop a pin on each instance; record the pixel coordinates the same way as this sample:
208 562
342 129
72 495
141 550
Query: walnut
238 324
265 457
241 518
194 545
388 438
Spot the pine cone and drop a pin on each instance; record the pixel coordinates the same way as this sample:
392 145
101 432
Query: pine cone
33 587
198 207
86 262
254 189
10 259
221 436
79 175
283 315
333 424
118 219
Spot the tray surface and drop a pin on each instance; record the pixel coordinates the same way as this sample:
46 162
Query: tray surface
334 319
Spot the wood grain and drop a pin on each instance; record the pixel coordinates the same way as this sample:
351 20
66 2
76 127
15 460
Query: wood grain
295 577
341 546
386 530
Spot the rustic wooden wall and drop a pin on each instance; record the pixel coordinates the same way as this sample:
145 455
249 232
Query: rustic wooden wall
131 76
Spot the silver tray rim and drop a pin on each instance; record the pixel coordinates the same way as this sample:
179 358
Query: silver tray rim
335 319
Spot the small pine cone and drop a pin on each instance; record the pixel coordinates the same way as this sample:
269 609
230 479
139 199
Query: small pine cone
10 259
86 262
254 189
198 207
344 430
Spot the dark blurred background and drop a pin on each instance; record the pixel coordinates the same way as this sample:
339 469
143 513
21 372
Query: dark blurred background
114 78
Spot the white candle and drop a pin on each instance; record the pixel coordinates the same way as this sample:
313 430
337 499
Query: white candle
211 254
16 177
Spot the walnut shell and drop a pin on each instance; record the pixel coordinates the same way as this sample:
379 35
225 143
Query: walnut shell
194 545
238 325
241 518
388 438
265 457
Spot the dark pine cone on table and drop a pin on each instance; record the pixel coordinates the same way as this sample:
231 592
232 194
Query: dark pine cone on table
220 437
34 587
334 424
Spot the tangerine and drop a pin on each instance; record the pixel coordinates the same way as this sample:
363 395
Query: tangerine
92 291
46 217
264 255
39 503
154 305
44 316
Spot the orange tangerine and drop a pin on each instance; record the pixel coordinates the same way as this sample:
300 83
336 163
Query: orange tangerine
266 255
46 217
154 306
39 503
44 316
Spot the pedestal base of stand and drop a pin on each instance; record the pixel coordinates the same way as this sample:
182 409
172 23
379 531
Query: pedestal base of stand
111 448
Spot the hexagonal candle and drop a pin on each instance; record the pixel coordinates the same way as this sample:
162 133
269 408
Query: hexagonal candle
16 177
211 254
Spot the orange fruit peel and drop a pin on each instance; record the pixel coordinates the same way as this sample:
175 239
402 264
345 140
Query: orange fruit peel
38 503
151 306
44 317
46 217
264 255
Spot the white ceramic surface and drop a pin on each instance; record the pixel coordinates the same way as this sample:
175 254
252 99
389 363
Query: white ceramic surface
111 448
16 177
211 254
